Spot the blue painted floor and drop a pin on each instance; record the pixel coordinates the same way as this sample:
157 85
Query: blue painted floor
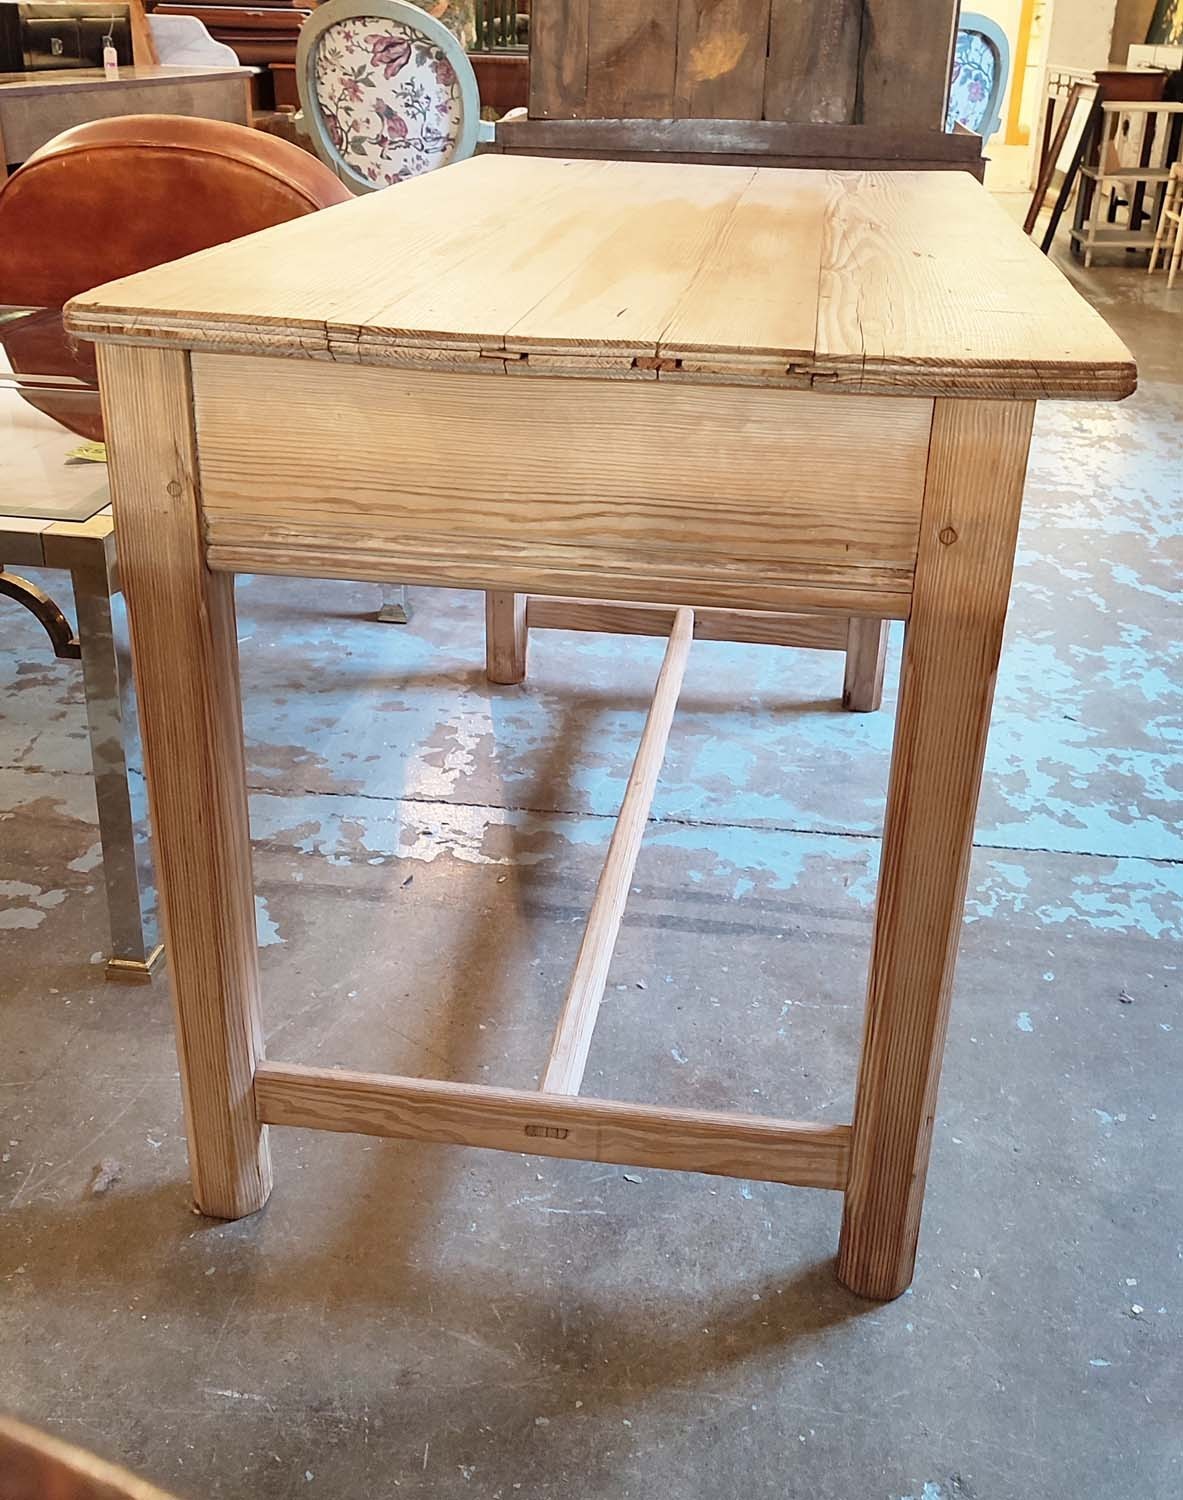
419 1321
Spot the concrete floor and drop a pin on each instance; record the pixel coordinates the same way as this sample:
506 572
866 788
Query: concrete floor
423 1321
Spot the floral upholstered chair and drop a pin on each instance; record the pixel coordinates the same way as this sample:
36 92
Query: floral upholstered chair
981 62
387 91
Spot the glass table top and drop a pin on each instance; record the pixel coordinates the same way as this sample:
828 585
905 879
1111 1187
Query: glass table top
49 410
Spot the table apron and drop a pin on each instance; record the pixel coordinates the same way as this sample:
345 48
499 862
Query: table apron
762 498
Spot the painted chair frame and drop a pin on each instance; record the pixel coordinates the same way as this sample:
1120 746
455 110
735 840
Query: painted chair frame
330 15
996 38
1169 242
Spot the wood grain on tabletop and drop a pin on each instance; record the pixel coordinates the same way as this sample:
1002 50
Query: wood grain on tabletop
875 281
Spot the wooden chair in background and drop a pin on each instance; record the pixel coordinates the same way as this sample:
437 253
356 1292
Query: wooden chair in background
1168 240
856 84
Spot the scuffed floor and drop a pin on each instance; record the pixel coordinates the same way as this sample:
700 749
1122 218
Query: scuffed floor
424 1321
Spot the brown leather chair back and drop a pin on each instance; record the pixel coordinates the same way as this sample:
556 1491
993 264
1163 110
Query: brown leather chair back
35 1466
116 196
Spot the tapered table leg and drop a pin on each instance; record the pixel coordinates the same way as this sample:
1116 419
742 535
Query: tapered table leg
186 656
953 638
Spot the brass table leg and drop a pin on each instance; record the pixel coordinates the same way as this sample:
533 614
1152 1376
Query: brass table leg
114 741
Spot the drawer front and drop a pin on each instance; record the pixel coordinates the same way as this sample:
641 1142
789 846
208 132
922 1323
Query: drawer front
620 489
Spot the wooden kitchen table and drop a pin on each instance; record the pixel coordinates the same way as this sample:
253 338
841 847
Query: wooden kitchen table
730 394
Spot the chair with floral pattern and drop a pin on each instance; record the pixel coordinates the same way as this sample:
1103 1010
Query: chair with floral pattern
387 91
981 63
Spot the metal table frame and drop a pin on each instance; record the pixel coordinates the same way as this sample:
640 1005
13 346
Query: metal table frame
86 550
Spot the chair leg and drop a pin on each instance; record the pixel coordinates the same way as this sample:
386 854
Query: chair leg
866 657
1176 256
1156 248
1160 233
505 636
394 609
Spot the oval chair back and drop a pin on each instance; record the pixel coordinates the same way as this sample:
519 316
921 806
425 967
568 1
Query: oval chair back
386 90
981 63
113 197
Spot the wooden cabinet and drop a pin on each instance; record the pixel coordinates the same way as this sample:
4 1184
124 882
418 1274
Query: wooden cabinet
263 35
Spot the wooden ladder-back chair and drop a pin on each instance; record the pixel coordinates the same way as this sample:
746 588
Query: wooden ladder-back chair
839 84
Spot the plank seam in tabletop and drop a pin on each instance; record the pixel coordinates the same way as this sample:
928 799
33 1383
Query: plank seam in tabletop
748 290
641 270
629 225
332 336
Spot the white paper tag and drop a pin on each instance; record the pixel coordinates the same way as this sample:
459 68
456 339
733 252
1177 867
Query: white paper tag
110 61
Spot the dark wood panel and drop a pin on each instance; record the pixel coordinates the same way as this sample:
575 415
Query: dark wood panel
907 49
722 52
813 61
747 139
976 167
874 62
868 164
632 59
558 59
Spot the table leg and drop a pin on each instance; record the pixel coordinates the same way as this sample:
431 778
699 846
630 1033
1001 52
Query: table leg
505 636
866 658
952 642
111 721
186 655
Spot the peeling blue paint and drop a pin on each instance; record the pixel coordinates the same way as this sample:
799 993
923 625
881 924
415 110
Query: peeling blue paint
268 932
379 743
